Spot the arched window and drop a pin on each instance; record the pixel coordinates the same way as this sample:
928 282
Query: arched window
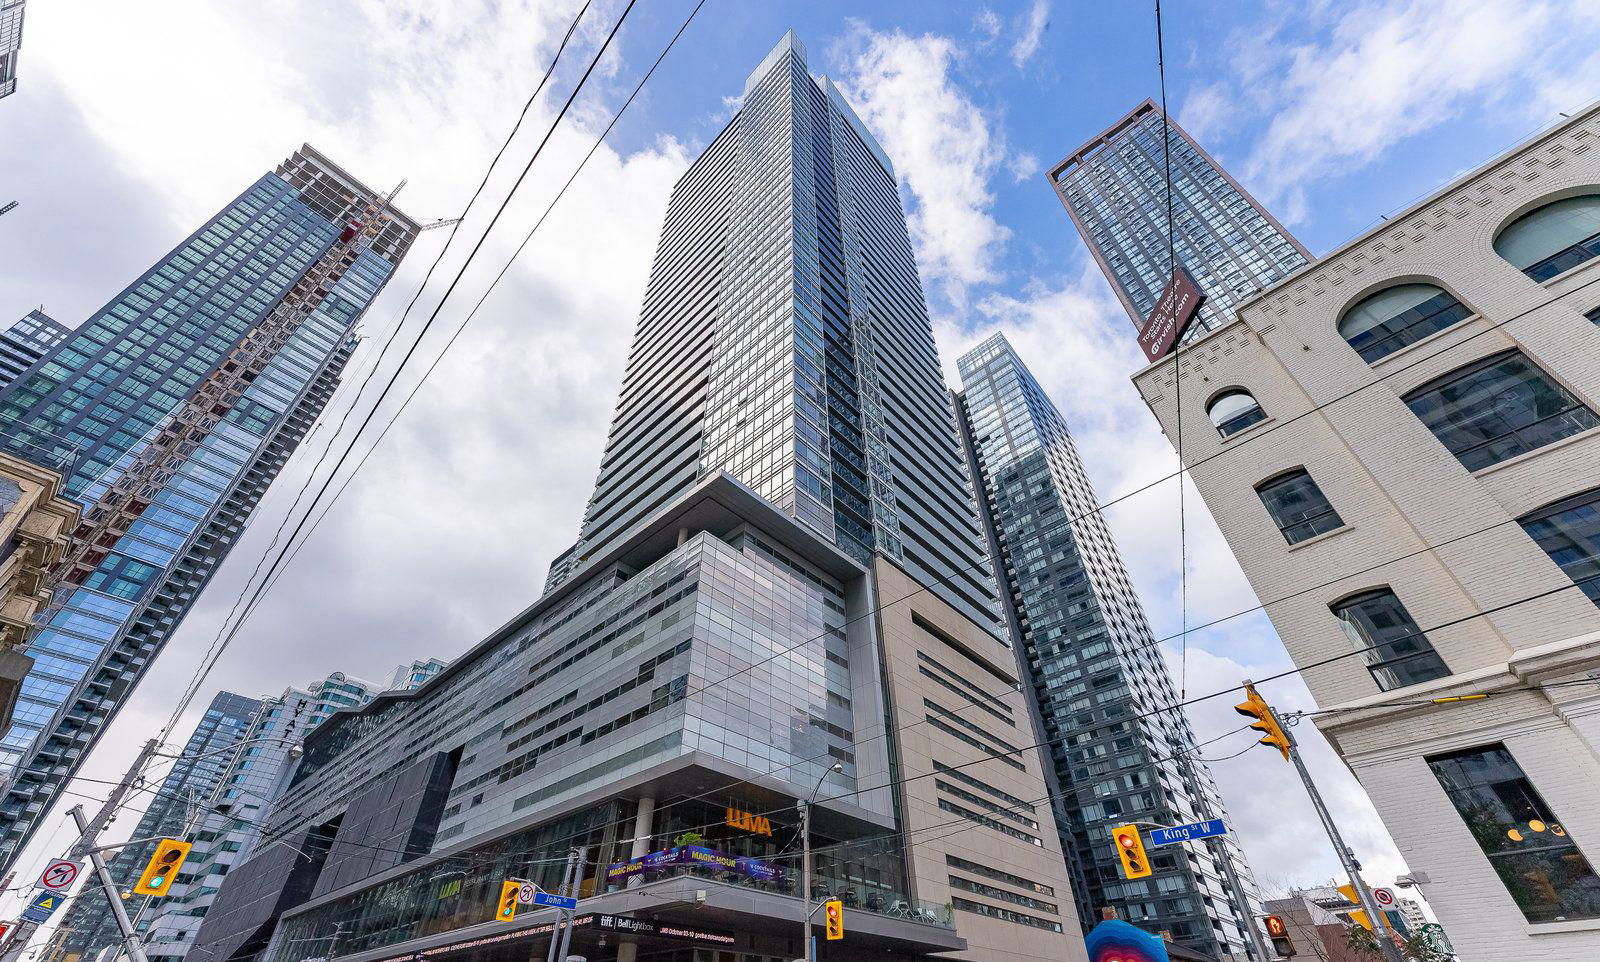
1395 649
1497 408
1383 323
1569 532
1555 238
1233 411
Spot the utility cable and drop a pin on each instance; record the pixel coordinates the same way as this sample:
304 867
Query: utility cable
388 342
212 656
471 314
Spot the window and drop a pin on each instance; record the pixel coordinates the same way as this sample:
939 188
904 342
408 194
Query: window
1298 507
1386 321
1537 862
1569 532
1593 315
1553 239
1498 408
1395 649
1233 411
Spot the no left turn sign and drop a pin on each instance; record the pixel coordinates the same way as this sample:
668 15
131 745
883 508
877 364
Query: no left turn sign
59 875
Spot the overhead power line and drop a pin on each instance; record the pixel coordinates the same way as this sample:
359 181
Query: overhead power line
594 62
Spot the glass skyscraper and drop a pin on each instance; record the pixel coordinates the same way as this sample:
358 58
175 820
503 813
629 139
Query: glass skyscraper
785 339
237 771
10 43
1115 190
27 341
98 396
1095 669
193 778
780 594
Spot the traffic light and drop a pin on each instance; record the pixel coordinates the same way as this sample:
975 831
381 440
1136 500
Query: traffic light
1278 932
1359 915
1265 722
1130 848
833 918
507 908
162 867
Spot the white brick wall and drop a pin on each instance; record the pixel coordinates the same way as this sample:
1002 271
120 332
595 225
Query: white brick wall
1402 494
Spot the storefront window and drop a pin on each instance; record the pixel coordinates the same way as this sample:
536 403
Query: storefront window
1540 865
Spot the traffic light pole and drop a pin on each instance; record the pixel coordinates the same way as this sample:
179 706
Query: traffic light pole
1391 952
569 884
578 857
1202 801
89 833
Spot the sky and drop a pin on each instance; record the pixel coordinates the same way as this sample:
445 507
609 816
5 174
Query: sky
133 123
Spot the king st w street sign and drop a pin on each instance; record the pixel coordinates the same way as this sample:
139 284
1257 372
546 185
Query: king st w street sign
1188 833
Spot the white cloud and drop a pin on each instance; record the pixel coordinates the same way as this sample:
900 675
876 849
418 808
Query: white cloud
1033 25
448 530
1374 75
1208 111
942 146
1024 166
987 23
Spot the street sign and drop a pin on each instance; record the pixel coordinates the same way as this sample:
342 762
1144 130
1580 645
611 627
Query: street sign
42 905
59 875
526 893
1187 833
555 901
1384 898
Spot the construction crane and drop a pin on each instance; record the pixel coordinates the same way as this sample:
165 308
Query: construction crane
7 208
442 222
115 511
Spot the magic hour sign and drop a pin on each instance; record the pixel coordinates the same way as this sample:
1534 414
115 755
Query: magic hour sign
1174 312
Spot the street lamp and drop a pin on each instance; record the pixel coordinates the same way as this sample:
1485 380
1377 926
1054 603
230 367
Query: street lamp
805 858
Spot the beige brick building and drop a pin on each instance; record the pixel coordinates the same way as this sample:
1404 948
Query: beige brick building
1401 444
36 526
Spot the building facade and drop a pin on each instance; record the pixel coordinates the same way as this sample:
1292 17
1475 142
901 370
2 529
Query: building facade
785 339
1094 668
26 342
1400 445
1115 189
36 526
722 648
220 800
189 783
10 44
101 395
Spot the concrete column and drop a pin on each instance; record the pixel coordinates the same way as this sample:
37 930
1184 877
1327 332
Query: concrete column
627 951
643 825
683 535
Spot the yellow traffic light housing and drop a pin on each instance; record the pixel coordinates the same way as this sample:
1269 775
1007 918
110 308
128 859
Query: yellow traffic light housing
1254 706
1130 848
506 909
162 867
1278 932
833 919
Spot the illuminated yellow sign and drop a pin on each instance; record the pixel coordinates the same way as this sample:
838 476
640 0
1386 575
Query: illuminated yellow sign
744 821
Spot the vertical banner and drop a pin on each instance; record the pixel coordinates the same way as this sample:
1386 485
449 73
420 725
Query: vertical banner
1174 312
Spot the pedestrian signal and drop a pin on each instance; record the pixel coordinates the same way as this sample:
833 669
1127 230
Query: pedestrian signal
1278 932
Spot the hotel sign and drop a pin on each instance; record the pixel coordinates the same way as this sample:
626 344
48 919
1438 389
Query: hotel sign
1174 312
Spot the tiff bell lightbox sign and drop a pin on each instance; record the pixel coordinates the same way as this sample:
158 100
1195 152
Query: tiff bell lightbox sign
1174 312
